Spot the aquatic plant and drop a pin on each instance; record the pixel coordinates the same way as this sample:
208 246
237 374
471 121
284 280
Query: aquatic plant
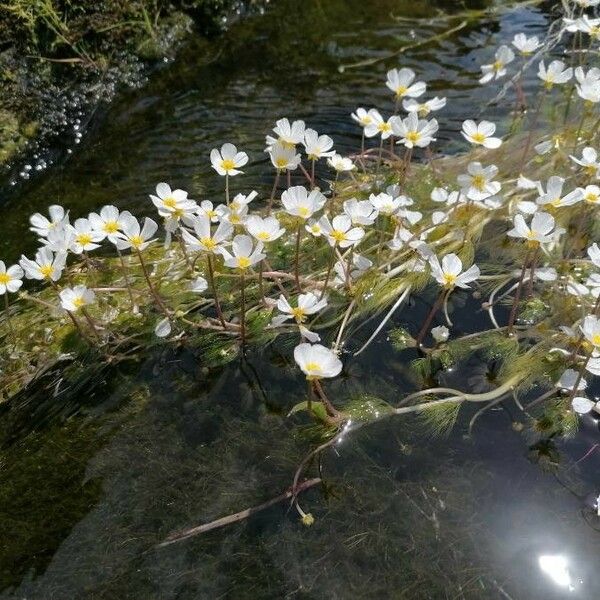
317 261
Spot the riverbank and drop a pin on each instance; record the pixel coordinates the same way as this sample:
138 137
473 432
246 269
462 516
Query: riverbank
60 60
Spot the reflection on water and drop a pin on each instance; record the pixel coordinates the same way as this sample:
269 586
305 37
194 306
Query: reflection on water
95 472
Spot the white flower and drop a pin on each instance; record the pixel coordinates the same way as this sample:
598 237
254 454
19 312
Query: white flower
554 197
284 157
340 163
359 266
540 230
205 240
477 183
289 134
233 216
206 209
584 23
309 336
582 405
109 222
228 160
307 304
384 203
448 197
242 200
363 117
313 227
316 361
135 237
172 203
45 266
591 194
504 56
85 237
413 131
400 81
298 202
60 239
567 381
11 278
440 333
594 254
480 134
423 108
378 126
526 45
450 274
591 330
264 230
244 255
42 225
340 231
72 299
317 146
199 285
589 161
557 72
360 212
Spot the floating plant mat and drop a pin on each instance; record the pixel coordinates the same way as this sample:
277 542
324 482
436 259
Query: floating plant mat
375 387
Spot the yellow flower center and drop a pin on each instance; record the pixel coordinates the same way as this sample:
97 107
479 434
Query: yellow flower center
338 236
210 213
401 90
556 202
78 302
303 211
498 65
243 262
591 197
281 163
384 127
478 138
298 314
4 278
479 182
591 170
413 136
234 219
315 228
366 120
170 202
449 279
264 236
84 239
596 339
227 164
208 243
111 227
136 241
313 366
46 271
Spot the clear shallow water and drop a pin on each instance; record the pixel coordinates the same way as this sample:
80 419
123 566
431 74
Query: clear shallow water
96 472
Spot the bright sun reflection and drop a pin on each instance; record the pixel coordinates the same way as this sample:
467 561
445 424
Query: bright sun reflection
556 567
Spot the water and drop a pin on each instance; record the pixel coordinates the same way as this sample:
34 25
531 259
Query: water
96 472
